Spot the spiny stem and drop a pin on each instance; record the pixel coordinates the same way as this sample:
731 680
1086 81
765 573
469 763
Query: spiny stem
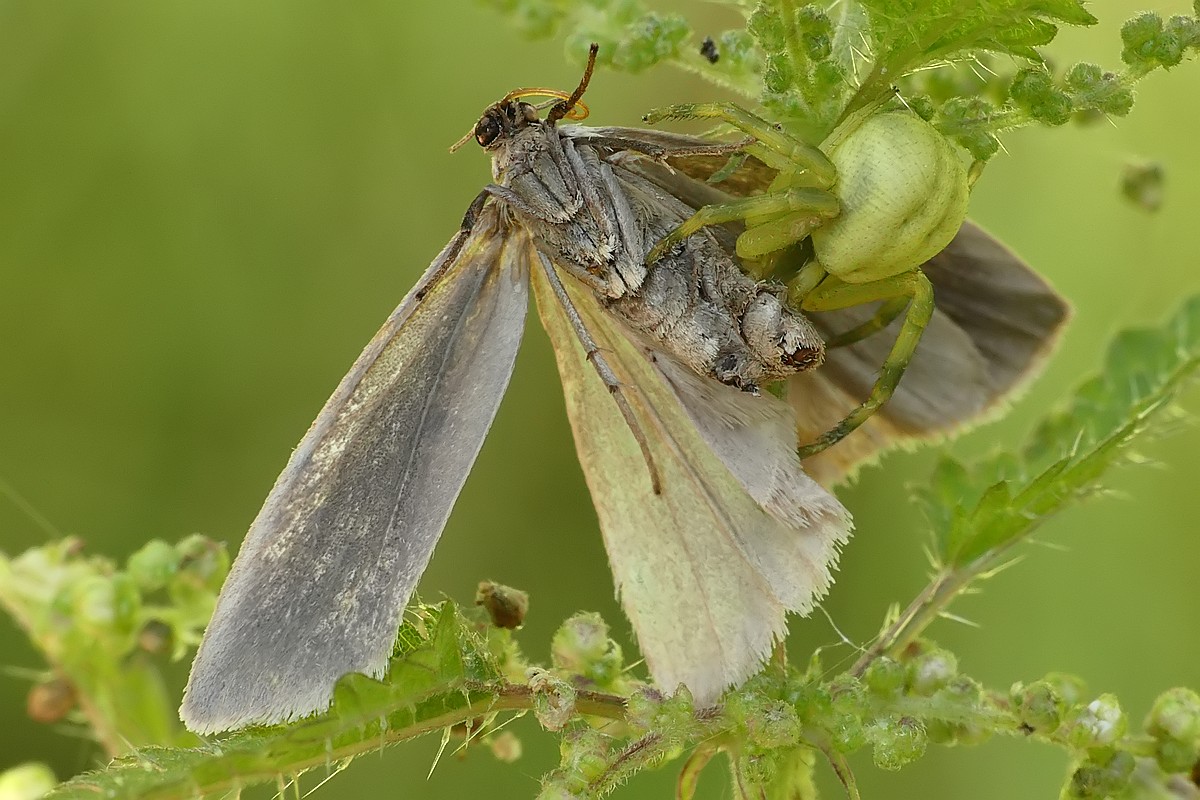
914 619
507 697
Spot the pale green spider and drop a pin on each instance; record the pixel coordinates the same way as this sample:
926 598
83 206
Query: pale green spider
891 194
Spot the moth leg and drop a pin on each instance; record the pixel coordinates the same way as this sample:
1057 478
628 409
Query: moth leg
790 216
912 289
773 146
603 369
887 311
544 211
464 229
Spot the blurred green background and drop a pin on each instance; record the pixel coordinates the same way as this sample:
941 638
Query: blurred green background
206 209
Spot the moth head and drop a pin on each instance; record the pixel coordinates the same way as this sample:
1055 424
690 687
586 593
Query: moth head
502 120
512 114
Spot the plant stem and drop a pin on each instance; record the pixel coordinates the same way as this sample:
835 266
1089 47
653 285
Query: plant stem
506 697
923 609
837 763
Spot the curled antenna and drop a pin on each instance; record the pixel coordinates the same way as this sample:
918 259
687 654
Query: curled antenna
567 106
561 105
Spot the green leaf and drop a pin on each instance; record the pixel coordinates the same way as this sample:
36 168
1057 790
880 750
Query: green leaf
912 33
1072 12
441 675
978 512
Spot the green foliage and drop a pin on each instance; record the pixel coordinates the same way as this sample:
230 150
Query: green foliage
441 675
973 69
91 620
977 512
630 37
104 629
455 671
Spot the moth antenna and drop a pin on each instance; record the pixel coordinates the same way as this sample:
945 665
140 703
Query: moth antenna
565 108
466 138
580 111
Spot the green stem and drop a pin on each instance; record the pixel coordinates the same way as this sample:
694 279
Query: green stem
923 609
239 773
837 762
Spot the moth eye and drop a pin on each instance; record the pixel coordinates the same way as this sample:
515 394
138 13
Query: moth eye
487 130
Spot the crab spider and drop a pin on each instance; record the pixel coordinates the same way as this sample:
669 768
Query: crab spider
890 195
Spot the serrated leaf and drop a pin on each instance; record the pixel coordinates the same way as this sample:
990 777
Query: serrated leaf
910 34
1028 33
1071 12
941 498
990 521
444 678
1069 452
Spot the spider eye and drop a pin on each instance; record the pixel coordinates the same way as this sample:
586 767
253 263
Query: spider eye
487 130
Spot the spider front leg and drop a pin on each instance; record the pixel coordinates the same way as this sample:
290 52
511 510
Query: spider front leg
911 288
804 163
782 218
796 203
888 310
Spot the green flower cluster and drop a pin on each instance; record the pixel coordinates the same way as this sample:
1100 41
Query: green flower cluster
103 630
956 65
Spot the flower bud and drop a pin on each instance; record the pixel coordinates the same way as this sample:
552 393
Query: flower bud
1100 723
553 700
581 646
1142 184
768 28
584 758
28 781
885 676
1139 37
897 742
1070 688
153 566
777 74
506 747
1175 715
931 670
50 701
1038 706
1097 779
769 723
1173 755
1033 89
758 769
506 607
641 709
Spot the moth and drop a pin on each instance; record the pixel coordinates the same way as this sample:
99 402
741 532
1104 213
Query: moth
714 529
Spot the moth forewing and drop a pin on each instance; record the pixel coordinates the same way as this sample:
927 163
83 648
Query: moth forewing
323 575
708 567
